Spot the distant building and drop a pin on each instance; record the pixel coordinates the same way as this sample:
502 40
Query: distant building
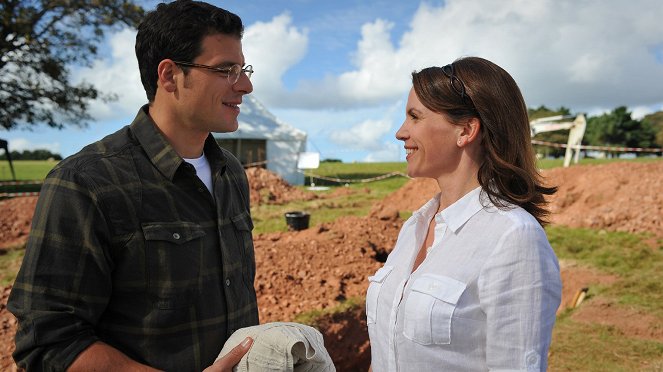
264 140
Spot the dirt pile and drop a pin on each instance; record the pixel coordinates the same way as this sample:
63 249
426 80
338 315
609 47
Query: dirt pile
617 196
621 196
15 219
266 187
318 267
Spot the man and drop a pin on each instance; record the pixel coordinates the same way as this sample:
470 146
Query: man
140 254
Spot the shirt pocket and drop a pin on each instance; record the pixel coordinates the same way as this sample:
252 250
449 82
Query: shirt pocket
173 257
243 226
373 294
429 309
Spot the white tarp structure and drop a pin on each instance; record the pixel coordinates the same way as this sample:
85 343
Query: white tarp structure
283 143
576 133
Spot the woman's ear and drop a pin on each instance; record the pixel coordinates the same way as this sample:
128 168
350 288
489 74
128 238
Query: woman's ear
166 75
469 132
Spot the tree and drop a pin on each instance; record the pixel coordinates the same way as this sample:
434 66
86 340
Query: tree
656 122
39 41
39 154
617 128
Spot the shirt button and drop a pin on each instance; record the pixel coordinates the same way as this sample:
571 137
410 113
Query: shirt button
176 236
227 282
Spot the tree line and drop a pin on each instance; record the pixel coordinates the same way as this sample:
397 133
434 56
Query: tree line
31 155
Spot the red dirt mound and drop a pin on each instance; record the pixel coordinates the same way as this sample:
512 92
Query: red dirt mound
266 187
617 196
15 219
621 196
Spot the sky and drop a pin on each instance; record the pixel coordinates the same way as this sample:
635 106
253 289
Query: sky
340 70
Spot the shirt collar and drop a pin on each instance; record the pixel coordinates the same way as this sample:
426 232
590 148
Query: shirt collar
162 155
457 213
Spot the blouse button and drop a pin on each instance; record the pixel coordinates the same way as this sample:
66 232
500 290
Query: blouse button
176 236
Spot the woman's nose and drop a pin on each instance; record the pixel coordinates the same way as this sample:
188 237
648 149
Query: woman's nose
401 133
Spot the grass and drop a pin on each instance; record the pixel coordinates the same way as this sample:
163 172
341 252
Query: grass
26 169
594 347
312 317
270 218
554 163
632 257
638 264
10 262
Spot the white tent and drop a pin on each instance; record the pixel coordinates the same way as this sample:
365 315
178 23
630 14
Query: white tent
263 139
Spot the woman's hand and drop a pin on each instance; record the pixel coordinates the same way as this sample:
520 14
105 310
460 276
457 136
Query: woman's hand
228 361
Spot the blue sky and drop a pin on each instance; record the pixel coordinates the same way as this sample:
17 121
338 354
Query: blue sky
340 70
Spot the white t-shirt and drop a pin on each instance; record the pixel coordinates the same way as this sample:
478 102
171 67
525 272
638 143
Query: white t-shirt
203 170
484 298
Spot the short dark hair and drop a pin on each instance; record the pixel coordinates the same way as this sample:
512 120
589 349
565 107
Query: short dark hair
176 30
508 172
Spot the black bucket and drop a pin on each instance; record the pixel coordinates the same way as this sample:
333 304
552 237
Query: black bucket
297 220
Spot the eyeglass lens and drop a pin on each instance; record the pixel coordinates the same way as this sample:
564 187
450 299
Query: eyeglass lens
236 70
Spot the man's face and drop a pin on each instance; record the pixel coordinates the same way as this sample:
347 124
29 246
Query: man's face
207 101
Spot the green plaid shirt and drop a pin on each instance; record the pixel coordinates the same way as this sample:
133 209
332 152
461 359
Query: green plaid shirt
129 247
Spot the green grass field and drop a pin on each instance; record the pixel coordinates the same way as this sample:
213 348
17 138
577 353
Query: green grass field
635 259
26 169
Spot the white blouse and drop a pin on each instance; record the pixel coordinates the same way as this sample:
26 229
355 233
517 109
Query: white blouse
483 299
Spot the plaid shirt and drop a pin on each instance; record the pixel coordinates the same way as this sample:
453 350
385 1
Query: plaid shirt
129 247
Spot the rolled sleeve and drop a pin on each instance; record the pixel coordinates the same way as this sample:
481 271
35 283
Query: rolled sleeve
519 289
64 283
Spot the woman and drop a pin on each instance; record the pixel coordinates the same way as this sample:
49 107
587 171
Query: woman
472 284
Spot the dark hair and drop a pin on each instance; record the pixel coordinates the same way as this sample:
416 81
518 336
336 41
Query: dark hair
176 30
508 172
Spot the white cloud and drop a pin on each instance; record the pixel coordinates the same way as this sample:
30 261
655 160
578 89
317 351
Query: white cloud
576 54
273 48
365 135
118 75
22 144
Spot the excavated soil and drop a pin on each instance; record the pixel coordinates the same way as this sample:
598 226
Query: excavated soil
621 196
315 269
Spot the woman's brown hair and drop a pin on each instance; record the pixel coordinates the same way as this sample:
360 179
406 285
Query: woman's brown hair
475 87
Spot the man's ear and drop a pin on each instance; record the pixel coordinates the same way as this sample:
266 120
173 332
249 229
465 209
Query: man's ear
469 132
166 77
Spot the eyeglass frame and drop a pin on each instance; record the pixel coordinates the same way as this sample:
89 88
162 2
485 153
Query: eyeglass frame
453 78
247 70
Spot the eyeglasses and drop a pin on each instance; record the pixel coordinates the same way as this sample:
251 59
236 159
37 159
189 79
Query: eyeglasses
456 83
232 71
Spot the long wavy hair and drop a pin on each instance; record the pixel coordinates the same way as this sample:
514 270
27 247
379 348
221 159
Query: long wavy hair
475 87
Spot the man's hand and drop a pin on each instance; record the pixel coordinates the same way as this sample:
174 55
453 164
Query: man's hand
231 359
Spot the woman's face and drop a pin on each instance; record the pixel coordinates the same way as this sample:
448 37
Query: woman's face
430 141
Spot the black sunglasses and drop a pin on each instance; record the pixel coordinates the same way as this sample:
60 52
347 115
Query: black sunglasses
456 83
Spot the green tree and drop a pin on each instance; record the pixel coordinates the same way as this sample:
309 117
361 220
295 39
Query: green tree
39 154
655 120
618 128
555 137
39 42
